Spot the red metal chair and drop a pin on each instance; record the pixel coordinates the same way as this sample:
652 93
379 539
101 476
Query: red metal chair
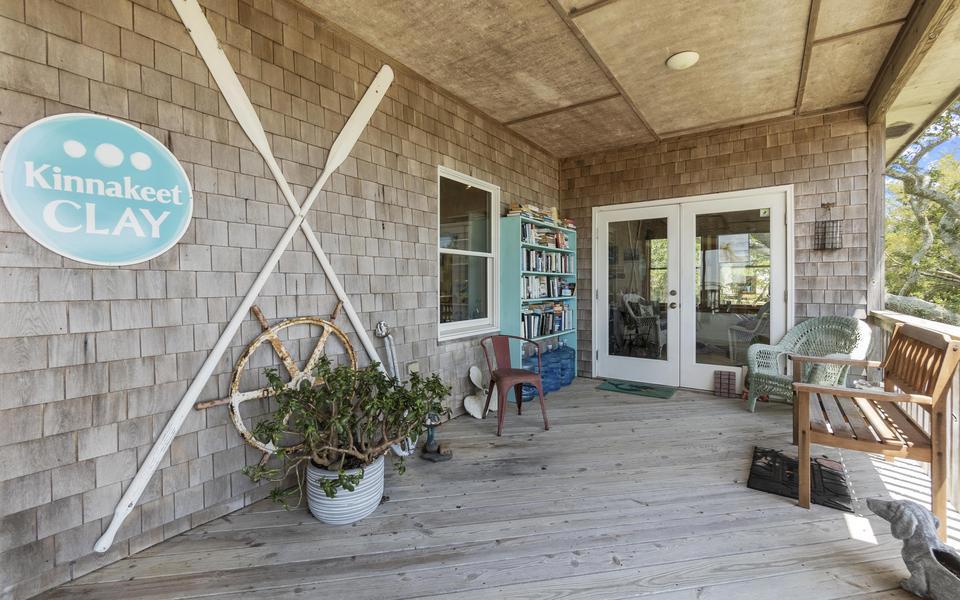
505 377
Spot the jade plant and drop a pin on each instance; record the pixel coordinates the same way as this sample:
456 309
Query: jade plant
345 419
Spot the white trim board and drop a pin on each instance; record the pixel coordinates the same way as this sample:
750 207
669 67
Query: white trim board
465 329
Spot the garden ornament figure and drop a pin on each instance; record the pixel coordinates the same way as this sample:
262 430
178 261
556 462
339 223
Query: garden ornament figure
934 567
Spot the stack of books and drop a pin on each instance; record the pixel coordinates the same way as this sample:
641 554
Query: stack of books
547 215
531 211
546 319
541 236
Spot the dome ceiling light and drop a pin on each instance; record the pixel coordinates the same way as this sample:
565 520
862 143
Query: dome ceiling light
683 60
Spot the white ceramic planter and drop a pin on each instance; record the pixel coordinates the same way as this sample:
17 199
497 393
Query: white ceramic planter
345 507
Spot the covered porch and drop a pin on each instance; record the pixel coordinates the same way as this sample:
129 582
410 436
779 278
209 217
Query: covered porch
625 496
641 189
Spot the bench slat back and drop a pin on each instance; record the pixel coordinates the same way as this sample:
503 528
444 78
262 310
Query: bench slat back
920 361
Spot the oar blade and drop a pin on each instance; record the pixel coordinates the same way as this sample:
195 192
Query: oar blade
206 40
362 114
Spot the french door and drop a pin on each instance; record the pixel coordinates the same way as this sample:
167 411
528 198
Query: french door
683 287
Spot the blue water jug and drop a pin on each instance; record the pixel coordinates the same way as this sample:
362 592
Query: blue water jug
530 364
568 363
551 371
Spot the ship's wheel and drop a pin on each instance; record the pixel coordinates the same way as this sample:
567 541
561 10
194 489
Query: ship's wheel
297 375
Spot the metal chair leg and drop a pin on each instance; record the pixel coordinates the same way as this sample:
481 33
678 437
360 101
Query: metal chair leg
543 408
486 405
501 413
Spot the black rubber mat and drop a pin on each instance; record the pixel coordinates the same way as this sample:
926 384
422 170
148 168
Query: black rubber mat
774 472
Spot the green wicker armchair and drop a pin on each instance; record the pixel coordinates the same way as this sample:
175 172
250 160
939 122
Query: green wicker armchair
819 336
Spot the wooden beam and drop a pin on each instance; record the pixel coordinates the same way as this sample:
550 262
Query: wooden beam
876 140
765 118
807 51
565 17
854 32
576 12
553 111
734 122
926 21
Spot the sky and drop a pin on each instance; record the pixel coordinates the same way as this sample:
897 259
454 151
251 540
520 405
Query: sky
951 147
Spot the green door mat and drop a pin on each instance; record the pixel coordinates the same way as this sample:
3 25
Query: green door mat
637 389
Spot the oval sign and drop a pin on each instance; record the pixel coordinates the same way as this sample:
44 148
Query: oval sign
95 189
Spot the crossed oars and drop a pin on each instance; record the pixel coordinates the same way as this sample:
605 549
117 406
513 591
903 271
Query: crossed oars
199 28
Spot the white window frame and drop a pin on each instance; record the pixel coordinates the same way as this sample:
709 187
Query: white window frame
491 324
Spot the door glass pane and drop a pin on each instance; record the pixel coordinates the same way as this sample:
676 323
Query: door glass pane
637 288
732 284
464 216
463 287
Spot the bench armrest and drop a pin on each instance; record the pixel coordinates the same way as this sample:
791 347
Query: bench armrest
833 360
867 394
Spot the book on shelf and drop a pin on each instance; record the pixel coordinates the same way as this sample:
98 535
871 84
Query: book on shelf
545 262
545 286
542 236
548 318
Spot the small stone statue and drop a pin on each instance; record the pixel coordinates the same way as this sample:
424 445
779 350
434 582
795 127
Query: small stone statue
934 567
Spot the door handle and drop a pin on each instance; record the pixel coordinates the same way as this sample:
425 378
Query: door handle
673 305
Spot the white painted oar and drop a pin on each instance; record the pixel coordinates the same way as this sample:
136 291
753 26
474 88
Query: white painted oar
212 53
338 153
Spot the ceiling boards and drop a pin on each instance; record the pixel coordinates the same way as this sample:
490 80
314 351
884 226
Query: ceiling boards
575 76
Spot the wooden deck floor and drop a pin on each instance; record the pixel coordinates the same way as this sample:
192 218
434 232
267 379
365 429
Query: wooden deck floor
624 497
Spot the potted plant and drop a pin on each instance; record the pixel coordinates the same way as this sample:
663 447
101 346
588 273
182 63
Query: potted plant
340 428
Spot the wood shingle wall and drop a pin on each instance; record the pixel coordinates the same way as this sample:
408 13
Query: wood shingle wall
824 157
95 358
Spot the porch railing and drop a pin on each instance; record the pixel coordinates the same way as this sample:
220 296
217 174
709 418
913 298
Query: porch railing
883 323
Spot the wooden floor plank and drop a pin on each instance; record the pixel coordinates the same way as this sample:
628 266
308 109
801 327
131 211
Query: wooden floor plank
624 497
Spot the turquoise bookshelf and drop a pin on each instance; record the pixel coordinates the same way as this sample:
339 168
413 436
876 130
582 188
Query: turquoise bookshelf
511 281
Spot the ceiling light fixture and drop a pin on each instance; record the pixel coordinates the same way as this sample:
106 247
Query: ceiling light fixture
898 129
683 60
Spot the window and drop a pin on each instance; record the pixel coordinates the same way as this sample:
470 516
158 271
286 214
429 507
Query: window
469 228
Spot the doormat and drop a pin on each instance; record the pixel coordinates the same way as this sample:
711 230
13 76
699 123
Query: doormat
637 389
776 473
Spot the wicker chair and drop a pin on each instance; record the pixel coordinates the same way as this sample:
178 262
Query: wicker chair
747 332
820 336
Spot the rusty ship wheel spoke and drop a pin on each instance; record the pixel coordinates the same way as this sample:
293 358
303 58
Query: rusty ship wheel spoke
271 336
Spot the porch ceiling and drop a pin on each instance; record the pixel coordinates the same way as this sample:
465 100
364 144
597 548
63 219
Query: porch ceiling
928 92
576 76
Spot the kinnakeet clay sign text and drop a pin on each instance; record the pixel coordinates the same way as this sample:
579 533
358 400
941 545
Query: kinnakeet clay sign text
95 189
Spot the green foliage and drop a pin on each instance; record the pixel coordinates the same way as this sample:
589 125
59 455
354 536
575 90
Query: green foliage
345 420
923 219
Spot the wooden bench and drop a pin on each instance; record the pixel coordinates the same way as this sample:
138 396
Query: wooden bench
918 369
